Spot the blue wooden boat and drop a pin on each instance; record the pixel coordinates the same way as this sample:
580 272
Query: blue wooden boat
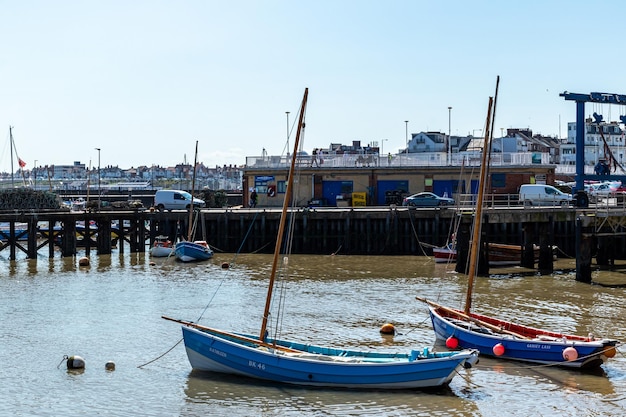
266 358
193 251
302 364
506 340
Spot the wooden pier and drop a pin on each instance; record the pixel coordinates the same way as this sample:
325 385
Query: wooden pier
583 234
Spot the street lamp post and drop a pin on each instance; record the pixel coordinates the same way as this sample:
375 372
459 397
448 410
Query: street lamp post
382 148
449 136
406 135
98 149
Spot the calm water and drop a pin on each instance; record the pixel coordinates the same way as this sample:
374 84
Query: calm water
112 311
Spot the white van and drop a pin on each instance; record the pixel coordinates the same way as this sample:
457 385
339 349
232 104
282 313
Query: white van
175 200
543 195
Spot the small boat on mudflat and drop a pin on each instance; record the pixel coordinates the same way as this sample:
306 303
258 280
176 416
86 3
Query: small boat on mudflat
162 247
198 250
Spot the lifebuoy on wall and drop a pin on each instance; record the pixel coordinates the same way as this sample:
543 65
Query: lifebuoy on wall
271 191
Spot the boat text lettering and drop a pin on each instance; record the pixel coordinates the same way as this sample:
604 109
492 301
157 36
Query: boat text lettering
537 346
218 352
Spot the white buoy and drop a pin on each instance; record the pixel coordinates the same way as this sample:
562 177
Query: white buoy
110 366
84 261
75 362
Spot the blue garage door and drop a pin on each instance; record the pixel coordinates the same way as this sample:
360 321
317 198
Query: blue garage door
331 189
389 185
451 187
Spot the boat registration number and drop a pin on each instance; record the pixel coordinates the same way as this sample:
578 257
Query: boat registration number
256 365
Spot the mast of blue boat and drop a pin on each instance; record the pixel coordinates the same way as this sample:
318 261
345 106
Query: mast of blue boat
283 217
193 186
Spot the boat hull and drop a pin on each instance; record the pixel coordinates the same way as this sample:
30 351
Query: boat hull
161 251
208 351
543 347
192 252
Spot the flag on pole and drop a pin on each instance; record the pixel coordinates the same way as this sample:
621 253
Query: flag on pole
22 163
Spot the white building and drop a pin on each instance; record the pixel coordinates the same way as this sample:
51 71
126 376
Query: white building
596 135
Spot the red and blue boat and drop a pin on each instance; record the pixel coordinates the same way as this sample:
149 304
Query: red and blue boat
503 339
506 340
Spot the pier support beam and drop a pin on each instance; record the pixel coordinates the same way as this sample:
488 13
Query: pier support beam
584 244
31 249
103 238
528 252
68 238
605 256
482 268
462 248
546 257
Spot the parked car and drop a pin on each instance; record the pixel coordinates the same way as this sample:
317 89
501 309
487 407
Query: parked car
543 195
175 200
603 189
427 199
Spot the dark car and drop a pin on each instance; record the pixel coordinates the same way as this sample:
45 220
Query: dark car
427 199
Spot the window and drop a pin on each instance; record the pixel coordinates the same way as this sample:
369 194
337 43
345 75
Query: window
498 180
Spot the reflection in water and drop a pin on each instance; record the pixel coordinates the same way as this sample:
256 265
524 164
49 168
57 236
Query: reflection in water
593 381
243 396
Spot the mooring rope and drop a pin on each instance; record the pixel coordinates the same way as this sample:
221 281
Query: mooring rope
206 307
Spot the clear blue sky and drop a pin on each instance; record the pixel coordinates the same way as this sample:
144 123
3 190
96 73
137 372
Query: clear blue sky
143 80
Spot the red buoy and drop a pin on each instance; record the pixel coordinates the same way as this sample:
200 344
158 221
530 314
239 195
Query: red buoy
452 342
498 349
570 354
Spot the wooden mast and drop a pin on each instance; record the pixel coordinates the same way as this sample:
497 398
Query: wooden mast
283 218
193 186
484 167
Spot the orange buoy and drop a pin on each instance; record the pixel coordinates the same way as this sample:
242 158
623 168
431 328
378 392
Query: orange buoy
84 261
610 352
570 354
225 265
452 342
388 328
498 349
